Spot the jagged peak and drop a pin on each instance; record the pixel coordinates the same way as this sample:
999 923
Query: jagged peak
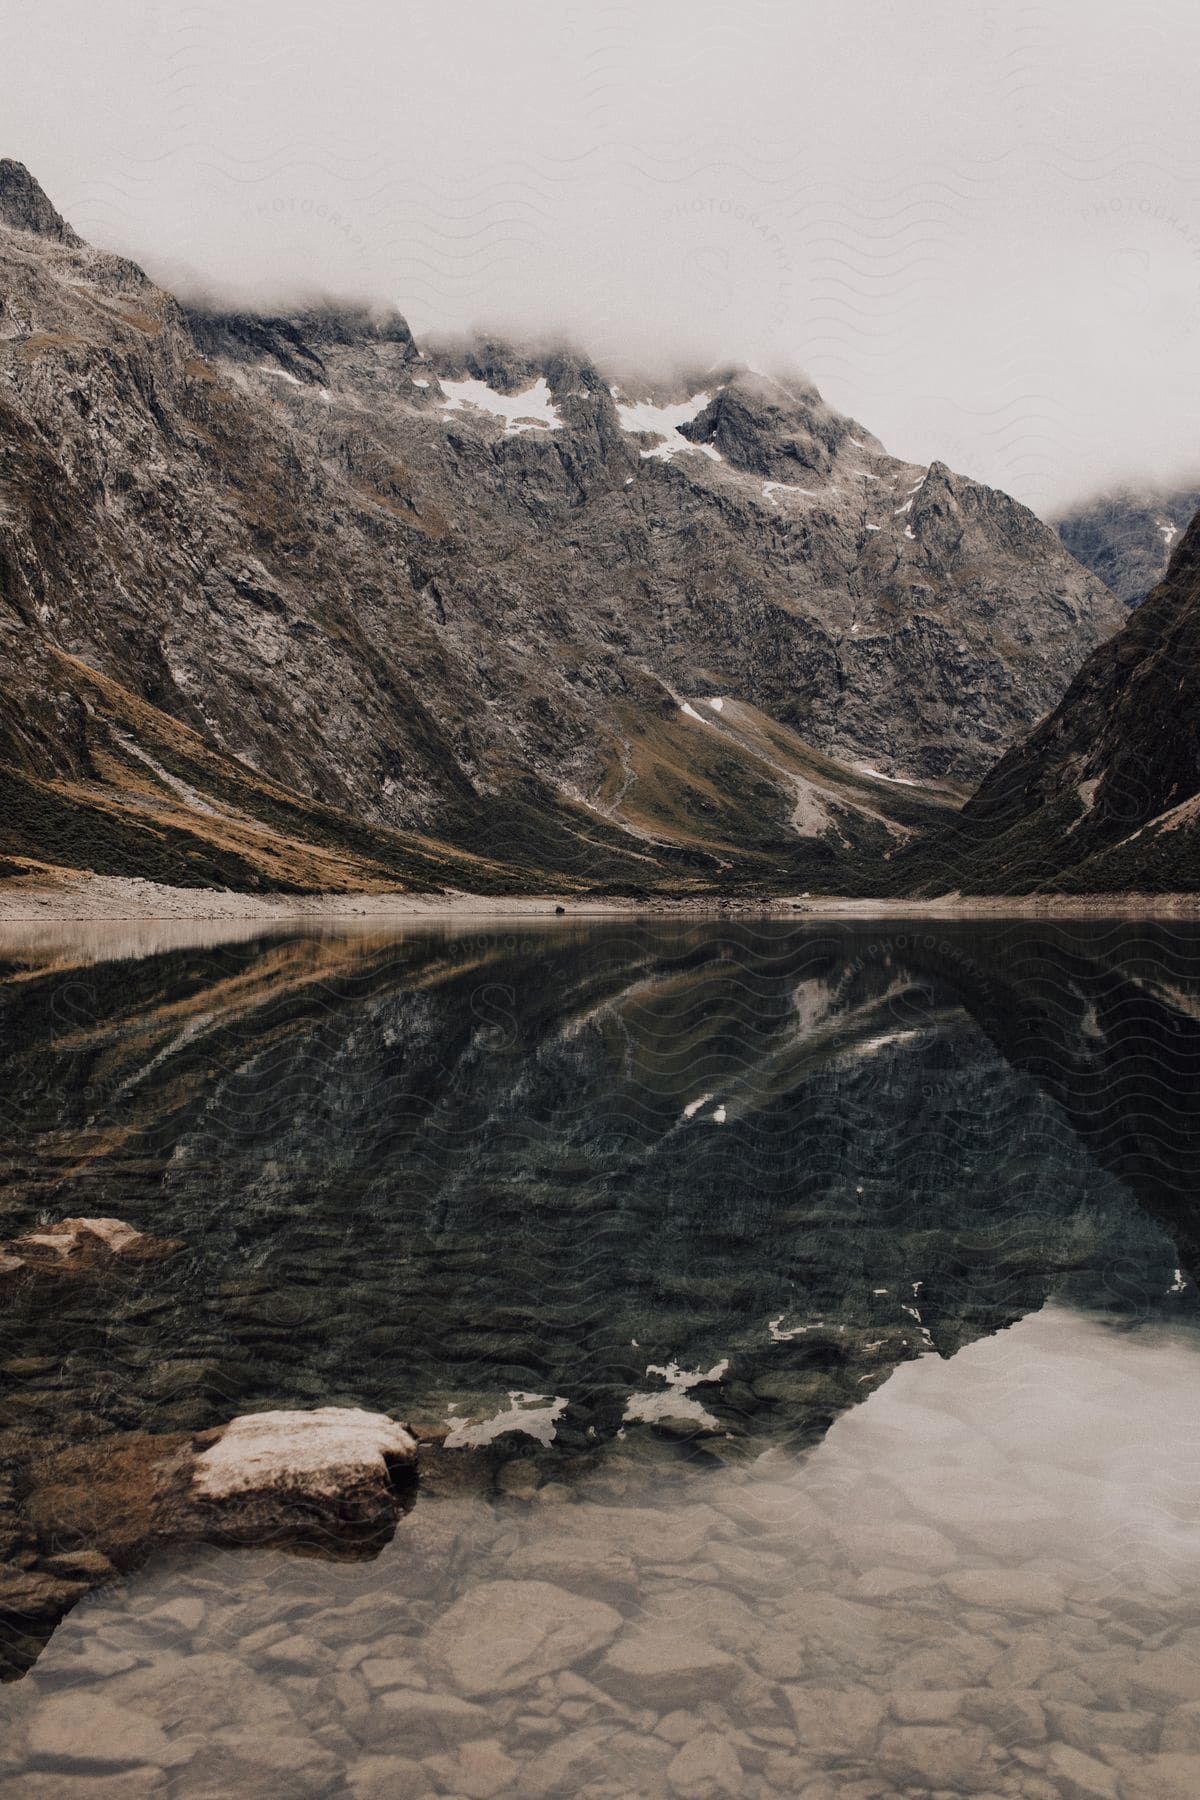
24 206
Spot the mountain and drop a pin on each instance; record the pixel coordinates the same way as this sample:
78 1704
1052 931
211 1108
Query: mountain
1105 795
294 602
1126 536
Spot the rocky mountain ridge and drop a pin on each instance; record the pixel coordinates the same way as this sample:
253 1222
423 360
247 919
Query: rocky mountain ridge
1105 795
1126 535
297 602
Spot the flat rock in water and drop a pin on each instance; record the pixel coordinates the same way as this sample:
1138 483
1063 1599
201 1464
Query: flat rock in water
387 1778
478 1771
568 1765
577 1562
248 1762
502 1635
937 1756
706 1767
275 1474
1162 1777
661 1666
85 1730
1007 1590
1082 1777
117 1784
836 1721
211 1691
1181 1728
654 1537
1165 1678
424 1722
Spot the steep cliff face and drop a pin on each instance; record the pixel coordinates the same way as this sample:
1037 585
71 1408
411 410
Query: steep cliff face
728 533
448 612
1126 536
1105 794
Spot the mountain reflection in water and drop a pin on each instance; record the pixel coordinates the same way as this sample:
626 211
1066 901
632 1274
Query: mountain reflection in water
431 1170
581 1195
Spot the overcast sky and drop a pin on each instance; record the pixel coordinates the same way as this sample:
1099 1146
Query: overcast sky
976 226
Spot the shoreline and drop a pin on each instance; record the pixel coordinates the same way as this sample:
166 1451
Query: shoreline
80 898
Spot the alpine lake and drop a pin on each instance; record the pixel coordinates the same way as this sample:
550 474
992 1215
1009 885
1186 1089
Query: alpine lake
798 1321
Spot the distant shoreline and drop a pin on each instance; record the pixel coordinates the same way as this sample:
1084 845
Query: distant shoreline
89 899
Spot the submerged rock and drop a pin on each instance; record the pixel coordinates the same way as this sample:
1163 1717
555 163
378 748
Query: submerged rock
503 1635
659 1666
705 1767
86 1731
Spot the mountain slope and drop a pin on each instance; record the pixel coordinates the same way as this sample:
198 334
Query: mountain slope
1105 794
1126 536
478 597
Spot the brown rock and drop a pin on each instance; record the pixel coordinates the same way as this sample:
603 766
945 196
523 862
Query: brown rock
203 1693
926 1706
1171 1776
1164 1678
503 1635
1086 1727
1014 1715
1081 1777
79 1565
87 1730
936 1756
579 1563
29 1594
659 1666
423 1723
835 1721
387 1778
1011 1591
705 1767
565 1767
245 1760
1181 1728
478 1770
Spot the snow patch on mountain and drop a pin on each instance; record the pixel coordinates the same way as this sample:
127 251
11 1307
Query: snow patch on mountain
664 422
533 410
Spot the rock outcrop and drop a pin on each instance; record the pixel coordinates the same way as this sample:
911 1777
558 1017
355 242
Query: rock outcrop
24 206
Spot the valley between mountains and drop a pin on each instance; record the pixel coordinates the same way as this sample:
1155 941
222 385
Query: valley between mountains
296 605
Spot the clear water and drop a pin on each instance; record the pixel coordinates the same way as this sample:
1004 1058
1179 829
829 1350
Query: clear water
812 1305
